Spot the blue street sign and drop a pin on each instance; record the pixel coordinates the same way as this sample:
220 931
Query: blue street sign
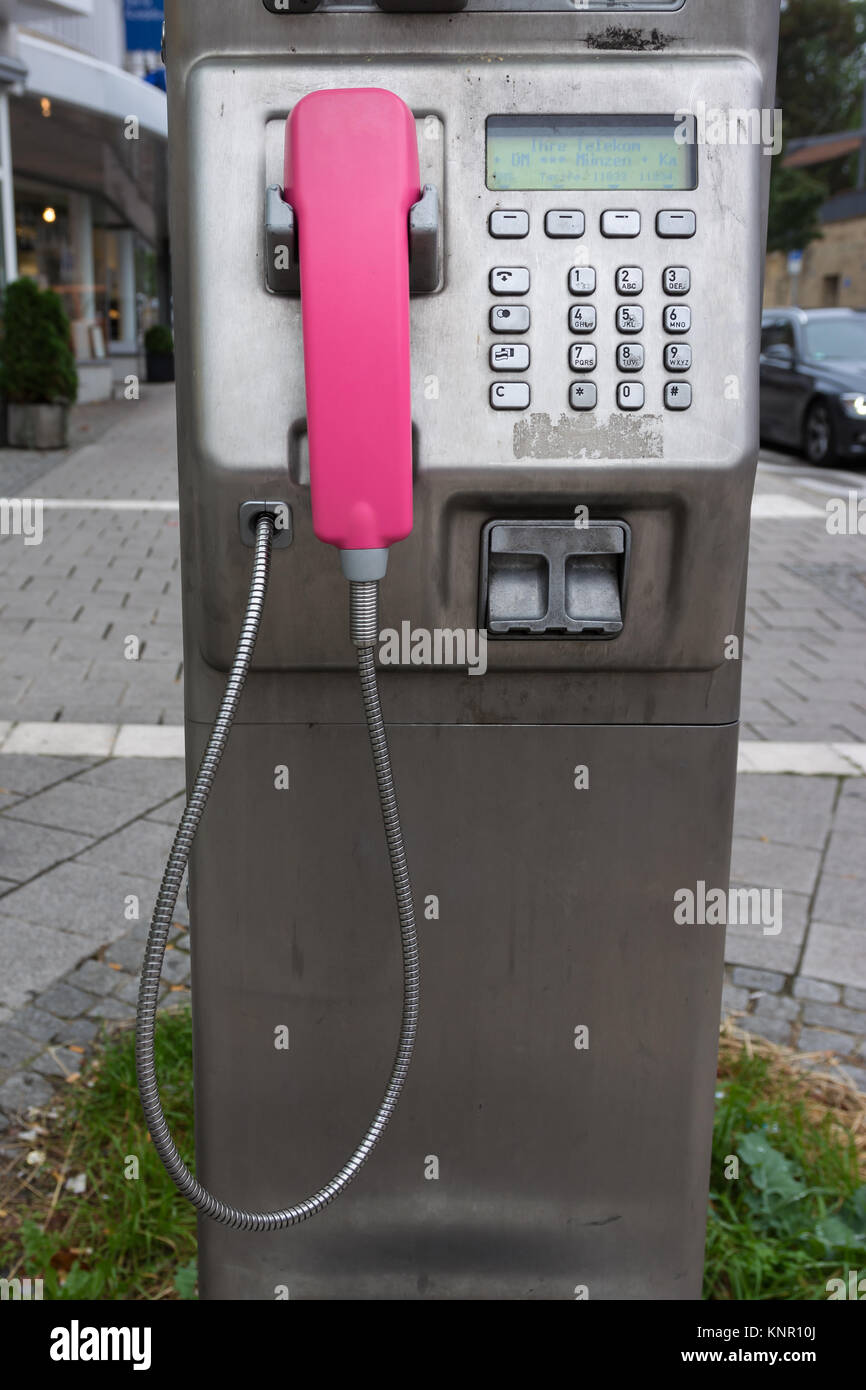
144 24
795 262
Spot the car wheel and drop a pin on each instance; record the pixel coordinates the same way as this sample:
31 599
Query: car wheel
819 443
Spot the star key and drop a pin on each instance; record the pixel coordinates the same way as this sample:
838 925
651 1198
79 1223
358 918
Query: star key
583 395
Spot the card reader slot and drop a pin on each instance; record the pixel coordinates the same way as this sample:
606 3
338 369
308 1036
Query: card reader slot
554 579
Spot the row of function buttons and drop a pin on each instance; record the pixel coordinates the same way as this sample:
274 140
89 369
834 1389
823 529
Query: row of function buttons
569 223
515 318
583 280
583 357
630 395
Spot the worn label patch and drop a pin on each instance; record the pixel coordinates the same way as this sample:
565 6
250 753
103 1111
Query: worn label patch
571 437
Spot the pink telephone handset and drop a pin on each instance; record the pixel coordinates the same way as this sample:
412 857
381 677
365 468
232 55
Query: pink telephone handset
351 175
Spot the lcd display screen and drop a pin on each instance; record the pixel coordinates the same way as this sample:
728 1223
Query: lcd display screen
608 153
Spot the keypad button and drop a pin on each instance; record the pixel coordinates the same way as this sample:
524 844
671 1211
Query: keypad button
629 280
509 357
678 357
630 357
505 224
509 318
509 280
582 280
583 395
630 395
509 395
677 318
629 318
583 357
565 224
671 224
678 395
582 318
677 279
620 224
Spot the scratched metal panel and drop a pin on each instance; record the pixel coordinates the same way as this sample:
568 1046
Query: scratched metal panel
558 1166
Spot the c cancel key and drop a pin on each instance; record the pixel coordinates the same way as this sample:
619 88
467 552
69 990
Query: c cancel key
509 395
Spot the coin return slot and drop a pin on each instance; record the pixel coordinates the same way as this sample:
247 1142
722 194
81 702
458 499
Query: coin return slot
592 587
555 580
520 588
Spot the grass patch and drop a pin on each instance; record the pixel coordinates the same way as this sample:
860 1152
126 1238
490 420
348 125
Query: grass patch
122 1237
794 1218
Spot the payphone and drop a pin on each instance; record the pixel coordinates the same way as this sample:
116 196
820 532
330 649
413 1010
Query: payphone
518 201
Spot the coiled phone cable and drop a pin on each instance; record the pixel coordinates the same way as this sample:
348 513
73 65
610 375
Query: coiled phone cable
364 633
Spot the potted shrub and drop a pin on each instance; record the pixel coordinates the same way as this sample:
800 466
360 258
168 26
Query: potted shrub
38 377
159 350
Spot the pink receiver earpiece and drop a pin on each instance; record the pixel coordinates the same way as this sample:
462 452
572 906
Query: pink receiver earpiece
351 175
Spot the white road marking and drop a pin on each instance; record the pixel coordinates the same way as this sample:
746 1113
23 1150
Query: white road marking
803 759
70 740
830 487
149 741
75 740
776 506
794 469
105 504
766 506
167 741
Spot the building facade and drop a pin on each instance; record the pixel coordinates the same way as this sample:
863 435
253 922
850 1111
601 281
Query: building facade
82 176
834 269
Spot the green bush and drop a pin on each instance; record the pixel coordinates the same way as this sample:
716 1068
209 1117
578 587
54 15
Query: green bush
37 365
158 341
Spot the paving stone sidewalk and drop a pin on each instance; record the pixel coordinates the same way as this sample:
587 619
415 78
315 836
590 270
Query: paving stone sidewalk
69 605
82 848
83 840
806 985
804 677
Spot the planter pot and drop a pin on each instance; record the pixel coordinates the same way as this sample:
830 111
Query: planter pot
38 426
160 366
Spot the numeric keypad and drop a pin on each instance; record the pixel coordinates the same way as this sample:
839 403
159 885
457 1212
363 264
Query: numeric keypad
635 289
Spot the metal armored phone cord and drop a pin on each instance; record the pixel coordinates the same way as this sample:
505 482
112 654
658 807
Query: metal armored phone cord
364 632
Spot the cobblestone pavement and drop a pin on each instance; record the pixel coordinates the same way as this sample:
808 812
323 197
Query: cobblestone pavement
83 839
